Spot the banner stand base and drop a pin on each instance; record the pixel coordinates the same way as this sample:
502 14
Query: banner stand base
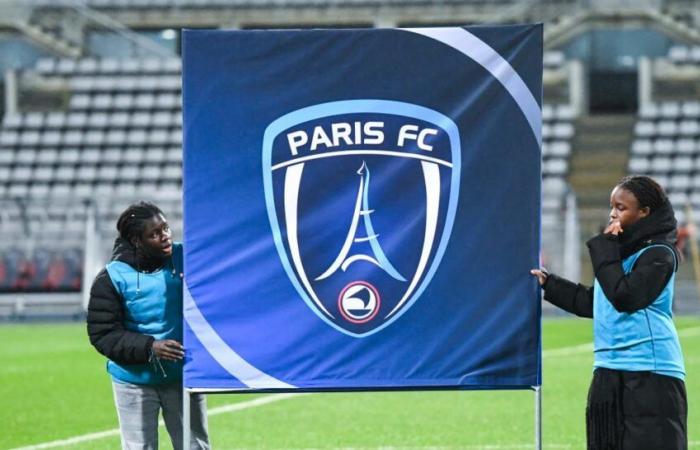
186 425
538 417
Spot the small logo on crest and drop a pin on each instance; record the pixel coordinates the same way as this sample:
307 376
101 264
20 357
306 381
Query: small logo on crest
359 302
361 197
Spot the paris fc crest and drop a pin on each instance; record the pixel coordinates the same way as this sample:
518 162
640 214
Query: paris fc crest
361 197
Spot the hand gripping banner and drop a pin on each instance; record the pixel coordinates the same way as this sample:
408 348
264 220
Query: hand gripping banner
362 208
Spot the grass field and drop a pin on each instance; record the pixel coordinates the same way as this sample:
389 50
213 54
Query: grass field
53 387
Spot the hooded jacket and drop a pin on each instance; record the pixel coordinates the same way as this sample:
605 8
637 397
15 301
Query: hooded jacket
107 316
626 292
630 406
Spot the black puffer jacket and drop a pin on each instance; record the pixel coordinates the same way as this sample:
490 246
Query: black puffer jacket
105 317
626 292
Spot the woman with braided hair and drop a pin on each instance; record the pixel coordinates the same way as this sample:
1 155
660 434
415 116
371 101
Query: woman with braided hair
637 398
135 320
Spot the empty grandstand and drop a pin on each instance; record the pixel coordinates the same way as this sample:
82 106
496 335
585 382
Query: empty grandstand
91 119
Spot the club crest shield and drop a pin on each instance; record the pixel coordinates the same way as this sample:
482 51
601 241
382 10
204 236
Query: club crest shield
361 196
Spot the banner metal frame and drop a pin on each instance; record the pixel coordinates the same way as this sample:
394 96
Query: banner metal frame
186 413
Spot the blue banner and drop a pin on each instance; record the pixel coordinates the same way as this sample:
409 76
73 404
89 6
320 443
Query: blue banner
362 208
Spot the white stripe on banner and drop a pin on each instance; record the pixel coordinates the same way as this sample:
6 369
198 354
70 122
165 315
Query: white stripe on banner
478 50
231 361
361 152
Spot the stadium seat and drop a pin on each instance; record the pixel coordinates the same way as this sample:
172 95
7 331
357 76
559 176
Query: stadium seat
43 174
649 111
108 173
7 157
108 65
667 128
115 137
123 101
129 173
133 156
98 120
64 175
679 54
689 128
34 120
9 138
141 119
87 65
56 120
26 156
645 129
39 190
691 109
46 65
77 120
670 110
80 101
29 138
661 165
682 164
66 66
678 199
155 155
680 183
639 165
663 146
86 174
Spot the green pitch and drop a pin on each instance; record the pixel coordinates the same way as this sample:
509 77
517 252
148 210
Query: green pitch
53 386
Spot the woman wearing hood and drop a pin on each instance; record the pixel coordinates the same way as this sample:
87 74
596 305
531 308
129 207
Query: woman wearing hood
637 398
135 320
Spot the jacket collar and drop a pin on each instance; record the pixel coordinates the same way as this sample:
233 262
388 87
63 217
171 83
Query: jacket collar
125 252
658 227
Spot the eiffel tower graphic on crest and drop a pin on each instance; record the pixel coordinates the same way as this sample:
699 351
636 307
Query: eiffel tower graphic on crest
361 218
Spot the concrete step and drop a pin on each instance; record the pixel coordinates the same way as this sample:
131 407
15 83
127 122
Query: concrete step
594 198
596 142
594 181
605 129
600 152
50 40
599 121
601 162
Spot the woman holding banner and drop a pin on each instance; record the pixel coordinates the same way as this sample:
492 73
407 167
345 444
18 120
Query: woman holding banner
637 399
135 319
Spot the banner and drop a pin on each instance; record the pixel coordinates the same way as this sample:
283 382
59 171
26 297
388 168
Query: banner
362 208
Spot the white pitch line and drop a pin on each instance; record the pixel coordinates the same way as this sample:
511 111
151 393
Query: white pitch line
568 351
461 447
563 351
689 332
115 431
251 403
433 447
588 347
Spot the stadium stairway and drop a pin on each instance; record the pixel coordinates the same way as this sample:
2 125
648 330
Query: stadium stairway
600 153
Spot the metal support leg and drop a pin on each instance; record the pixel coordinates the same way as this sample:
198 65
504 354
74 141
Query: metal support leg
538 417
186 425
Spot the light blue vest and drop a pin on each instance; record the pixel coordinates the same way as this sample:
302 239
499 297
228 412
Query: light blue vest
645 340
153 306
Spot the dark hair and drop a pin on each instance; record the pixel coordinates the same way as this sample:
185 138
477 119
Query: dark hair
132 221
647 191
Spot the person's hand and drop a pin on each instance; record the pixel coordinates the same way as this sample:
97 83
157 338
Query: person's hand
168 349
541 275
613 228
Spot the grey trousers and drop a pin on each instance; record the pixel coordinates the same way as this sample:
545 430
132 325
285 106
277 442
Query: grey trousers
138 408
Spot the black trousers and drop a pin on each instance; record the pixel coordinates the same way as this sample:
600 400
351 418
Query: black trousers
636 411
